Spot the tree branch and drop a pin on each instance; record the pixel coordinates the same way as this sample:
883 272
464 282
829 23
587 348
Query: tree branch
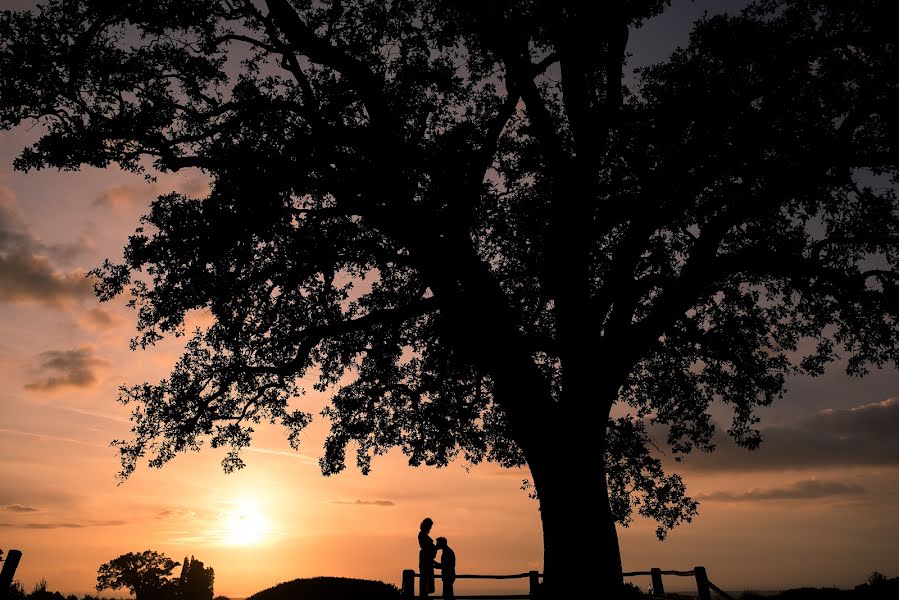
540 66
495 128
305 41
312 336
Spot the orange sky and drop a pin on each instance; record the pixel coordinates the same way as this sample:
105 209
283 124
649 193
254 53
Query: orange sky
785 516
815 507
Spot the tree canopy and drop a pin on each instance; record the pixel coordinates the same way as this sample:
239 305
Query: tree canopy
145 574
465 221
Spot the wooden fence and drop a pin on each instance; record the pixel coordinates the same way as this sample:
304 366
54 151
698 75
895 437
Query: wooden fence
704 587
408 590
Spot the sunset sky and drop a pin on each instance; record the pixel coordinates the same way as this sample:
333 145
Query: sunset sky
815 506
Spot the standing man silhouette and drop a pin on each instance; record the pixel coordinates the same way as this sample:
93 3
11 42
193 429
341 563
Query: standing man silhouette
426 555
447 566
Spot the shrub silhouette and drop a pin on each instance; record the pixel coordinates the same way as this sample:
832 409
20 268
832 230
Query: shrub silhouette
629 591
809 593
329 588
878 586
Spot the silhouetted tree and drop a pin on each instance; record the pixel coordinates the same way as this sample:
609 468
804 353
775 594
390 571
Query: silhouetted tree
877 586
145 574
40 591
465 220
16 591
196 581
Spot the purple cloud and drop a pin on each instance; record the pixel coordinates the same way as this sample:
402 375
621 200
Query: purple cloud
807 489
862 435
68 368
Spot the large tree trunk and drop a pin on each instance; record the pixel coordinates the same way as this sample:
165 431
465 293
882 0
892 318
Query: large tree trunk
581 554
565 449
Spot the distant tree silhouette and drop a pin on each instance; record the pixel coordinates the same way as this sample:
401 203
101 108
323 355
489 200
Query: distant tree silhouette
145 574
40 591
196 581
463 218
16 591
877 586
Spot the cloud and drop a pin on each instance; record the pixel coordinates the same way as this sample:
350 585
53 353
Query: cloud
99 319
859 436
126 196
18 508
361 502
45 436
108 523
285 453
808 489
26 270
93 413
176 513
69 368
66 253
121 197
25 277
65 525
196 185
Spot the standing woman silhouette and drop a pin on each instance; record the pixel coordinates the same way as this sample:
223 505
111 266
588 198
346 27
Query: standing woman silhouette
426 556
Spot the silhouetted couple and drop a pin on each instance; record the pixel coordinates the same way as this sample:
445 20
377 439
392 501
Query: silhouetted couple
427 562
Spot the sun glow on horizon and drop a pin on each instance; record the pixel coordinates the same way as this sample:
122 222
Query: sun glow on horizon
244 524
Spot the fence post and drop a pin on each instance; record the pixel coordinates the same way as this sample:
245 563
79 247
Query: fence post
9 569
702 583
408 590
534 580
657 588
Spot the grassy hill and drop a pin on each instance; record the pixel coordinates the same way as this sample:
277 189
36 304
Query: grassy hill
878 587
329 588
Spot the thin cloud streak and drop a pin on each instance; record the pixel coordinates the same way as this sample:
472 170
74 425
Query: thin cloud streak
55 438
93 413
275 452
65 525
361 502
18 508
176 513
808 489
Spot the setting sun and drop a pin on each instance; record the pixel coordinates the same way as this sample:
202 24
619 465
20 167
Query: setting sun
244 524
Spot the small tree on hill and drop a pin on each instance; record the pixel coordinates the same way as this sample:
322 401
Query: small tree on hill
196 581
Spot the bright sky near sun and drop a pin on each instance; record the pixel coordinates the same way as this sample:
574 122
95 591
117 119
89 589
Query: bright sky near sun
816 506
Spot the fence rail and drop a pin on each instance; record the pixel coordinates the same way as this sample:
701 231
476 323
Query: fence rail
703 585
408 589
